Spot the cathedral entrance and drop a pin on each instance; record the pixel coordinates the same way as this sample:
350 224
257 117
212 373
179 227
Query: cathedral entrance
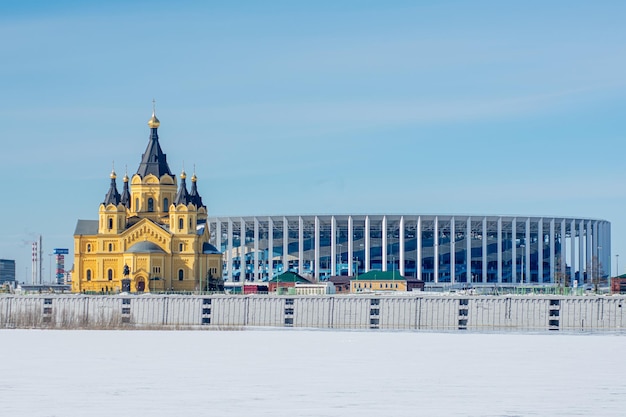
141 285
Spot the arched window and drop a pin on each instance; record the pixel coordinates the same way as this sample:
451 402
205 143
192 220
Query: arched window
181 274
110 223
136 204
110 274
166 205
89 275
89 247
180 223
150 204
190 225
110 247
181 247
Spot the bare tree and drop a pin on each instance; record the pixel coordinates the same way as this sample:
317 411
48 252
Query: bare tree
595 272
560 274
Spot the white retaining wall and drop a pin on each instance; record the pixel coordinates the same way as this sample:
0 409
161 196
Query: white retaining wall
372 311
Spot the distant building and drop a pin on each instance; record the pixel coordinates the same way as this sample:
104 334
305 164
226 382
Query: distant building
254 288
321 288
341 283
152 237
414 284
618 284
7 271
378 281
285 281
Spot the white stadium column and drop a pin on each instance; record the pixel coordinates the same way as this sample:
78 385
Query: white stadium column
589 255
256 268
229 255
452 250
582 251
527 263
514 250
242 245
499 248
572 249
300 245
333 246
350 246
384 244
317 248
218 234
270 248
540 242
608 245
401 246
484 260
596 248
418 261
563 253
285 244
601 247
606 252
436 250
468 250
367 243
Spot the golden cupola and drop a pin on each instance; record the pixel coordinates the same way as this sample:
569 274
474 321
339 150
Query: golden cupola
154 122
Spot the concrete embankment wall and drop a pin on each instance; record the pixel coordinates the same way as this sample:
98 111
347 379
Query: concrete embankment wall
372 311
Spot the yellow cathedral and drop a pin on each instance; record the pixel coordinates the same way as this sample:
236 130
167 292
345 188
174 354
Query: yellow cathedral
152 237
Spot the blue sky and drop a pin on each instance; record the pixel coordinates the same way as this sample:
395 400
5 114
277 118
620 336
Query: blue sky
440 107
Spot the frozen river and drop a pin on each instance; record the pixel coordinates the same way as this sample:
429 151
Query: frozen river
309 373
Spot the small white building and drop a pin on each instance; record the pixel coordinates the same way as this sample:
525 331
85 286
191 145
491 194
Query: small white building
314 289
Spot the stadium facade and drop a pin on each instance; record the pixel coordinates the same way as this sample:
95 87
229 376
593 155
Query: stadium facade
435 248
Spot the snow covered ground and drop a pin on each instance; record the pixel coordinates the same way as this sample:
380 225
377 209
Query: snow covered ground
310 373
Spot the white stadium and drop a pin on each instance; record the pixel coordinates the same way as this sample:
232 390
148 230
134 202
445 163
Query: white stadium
453 249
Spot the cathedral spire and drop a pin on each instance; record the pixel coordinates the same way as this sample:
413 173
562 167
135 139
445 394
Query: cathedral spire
182 196
194 195
153 161
125 198
112 196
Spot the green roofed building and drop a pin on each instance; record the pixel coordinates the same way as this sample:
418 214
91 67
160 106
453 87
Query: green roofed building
286 280
378 281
